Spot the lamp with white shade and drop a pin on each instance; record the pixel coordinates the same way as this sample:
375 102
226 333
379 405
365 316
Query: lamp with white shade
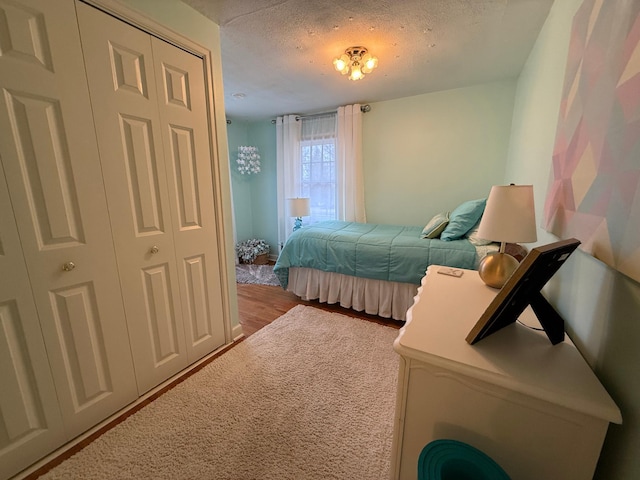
298 207
509 217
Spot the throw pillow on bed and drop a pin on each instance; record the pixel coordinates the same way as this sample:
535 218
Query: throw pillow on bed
463 218
473 237
436 226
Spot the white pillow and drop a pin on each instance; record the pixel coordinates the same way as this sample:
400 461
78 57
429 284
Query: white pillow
436 226
472 236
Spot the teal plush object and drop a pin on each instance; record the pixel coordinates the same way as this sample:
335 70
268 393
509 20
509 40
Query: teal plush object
436 226
463 218
453 460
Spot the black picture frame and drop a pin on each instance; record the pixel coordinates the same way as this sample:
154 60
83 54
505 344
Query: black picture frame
523 289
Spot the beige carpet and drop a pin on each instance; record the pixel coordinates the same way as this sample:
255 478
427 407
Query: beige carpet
311 396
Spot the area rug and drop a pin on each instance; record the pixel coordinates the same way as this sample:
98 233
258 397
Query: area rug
256 274
310 396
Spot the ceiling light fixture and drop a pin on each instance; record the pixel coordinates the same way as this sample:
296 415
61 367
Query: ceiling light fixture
356 61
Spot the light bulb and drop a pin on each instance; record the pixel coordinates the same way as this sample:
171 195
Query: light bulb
369 63
342 64
356 73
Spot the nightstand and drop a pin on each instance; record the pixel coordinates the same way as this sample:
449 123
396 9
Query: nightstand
537 409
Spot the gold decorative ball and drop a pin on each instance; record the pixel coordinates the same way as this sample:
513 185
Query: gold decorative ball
496 268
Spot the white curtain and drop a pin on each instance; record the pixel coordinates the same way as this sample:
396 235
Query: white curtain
349 168
346 196
288 134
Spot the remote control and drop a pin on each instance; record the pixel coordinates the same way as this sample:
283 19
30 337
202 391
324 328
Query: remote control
454 272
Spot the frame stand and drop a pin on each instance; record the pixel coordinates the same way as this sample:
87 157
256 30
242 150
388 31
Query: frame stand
550 320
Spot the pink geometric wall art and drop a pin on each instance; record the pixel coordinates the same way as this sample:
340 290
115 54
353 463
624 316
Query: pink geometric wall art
594 187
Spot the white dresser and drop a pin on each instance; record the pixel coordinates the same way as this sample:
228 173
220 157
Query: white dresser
537 409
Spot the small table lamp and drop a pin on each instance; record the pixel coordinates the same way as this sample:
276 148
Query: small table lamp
298 207
509 217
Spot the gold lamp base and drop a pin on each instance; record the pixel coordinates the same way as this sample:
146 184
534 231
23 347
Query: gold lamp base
496 268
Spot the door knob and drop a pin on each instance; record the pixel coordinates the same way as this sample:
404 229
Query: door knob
154 250
67 267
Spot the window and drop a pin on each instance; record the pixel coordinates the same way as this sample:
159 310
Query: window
318 166
318 178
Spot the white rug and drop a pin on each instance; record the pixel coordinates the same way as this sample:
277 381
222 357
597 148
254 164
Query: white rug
310 396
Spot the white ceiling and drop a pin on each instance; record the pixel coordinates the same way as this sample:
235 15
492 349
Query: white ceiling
279 53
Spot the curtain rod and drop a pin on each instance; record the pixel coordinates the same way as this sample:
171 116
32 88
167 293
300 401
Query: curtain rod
363 108
314 115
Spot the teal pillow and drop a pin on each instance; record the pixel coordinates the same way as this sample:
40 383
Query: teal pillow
463 218
436 226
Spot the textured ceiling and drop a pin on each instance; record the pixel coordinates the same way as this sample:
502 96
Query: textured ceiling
279 53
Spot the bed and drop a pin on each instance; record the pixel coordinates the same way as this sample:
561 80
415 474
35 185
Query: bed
371 267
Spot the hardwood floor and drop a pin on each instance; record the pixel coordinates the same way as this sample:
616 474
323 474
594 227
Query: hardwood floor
259 305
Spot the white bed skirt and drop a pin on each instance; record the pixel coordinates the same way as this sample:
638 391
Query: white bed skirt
376 297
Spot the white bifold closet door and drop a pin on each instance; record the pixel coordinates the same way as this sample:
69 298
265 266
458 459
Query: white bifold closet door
31 420
148 99
57 203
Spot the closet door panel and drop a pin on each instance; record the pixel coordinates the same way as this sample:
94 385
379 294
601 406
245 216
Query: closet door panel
51 162
119 62
160 316
30 420
185 134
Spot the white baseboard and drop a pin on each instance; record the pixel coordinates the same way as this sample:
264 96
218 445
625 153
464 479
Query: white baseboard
236 333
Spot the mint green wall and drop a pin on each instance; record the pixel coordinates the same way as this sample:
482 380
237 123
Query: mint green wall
601 307
422 155
240 184
264 187
428 153
254 196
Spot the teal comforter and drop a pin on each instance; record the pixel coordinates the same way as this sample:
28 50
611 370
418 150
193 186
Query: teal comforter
382 252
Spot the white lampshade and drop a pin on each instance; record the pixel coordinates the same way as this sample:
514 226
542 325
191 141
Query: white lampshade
510 215
298 207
